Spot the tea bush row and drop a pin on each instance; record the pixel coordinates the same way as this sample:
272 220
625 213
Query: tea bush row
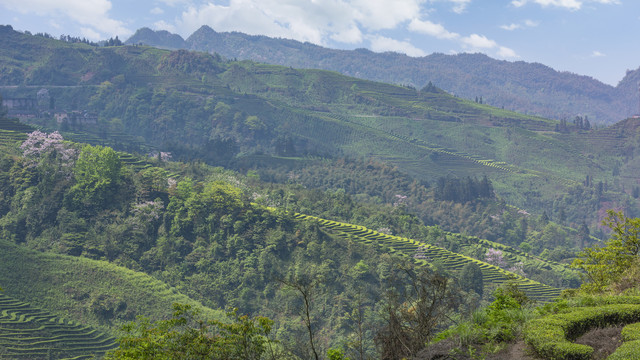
551 336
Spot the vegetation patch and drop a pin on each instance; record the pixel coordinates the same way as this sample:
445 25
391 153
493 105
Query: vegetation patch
27 332
551 336
422 254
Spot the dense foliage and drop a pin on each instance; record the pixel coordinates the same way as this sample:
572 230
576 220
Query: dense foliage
227 239
205 238
187 336
242 113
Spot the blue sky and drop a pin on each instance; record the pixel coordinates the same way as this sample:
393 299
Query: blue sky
597 38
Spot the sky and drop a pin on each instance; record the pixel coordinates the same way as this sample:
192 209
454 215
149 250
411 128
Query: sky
597 38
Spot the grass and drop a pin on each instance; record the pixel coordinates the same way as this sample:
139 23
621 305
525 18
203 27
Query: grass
67 287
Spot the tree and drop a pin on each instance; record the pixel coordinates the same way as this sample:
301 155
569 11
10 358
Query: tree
471 278
606 265
306 286
413 311
97 174
186 336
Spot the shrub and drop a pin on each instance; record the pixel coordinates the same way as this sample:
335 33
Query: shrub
627 351
631 332
550 336
631 347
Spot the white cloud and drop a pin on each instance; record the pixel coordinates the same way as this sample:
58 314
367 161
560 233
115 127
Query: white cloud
567 4
382 44
314 21
92 15
514 26
597 53
156 11
511 27
476 41
174 2
383 14
506 53
352 35
90 34
163 25
432 29
460 5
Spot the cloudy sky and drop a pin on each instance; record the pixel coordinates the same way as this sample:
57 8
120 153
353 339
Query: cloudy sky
598 38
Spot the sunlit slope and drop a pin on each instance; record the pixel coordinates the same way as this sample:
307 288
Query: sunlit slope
423 254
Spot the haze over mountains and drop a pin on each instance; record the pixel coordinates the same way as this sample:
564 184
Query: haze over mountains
524 87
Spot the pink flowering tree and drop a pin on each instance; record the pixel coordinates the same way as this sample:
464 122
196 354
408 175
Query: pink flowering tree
420 253
517 268
165 156
495 257
400 200
146 216
40 144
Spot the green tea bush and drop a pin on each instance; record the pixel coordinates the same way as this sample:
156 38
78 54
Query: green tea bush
627 351
630 350
631 332
550 336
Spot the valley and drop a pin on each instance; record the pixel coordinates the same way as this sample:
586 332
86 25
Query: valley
134 178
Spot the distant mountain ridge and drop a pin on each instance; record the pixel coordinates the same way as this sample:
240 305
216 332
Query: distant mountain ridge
530 88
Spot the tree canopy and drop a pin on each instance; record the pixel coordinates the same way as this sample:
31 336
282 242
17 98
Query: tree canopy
186 336
97 172
605 265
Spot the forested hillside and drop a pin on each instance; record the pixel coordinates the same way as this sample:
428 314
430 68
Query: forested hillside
347 218
523 87
221 238
144 99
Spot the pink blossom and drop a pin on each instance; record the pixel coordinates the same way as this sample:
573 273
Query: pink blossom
165 156
421 253
39 143
495 257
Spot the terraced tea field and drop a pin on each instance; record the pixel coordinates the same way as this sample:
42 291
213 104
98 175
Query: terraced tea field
422 254
13 131
30 333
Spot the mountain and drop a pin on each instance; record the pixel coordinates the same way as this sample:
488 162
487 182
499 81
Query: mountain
523 87
359 159
161 39
229 113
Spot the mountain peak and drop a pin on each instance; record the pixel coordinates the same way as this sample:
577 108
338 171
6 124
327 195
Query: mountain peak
205 29
158 38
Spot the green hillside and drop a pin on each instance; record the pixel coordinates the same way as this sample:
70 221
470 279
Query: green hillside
88 292
208 242
199 106
424 254
531 88
30 333
315 216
